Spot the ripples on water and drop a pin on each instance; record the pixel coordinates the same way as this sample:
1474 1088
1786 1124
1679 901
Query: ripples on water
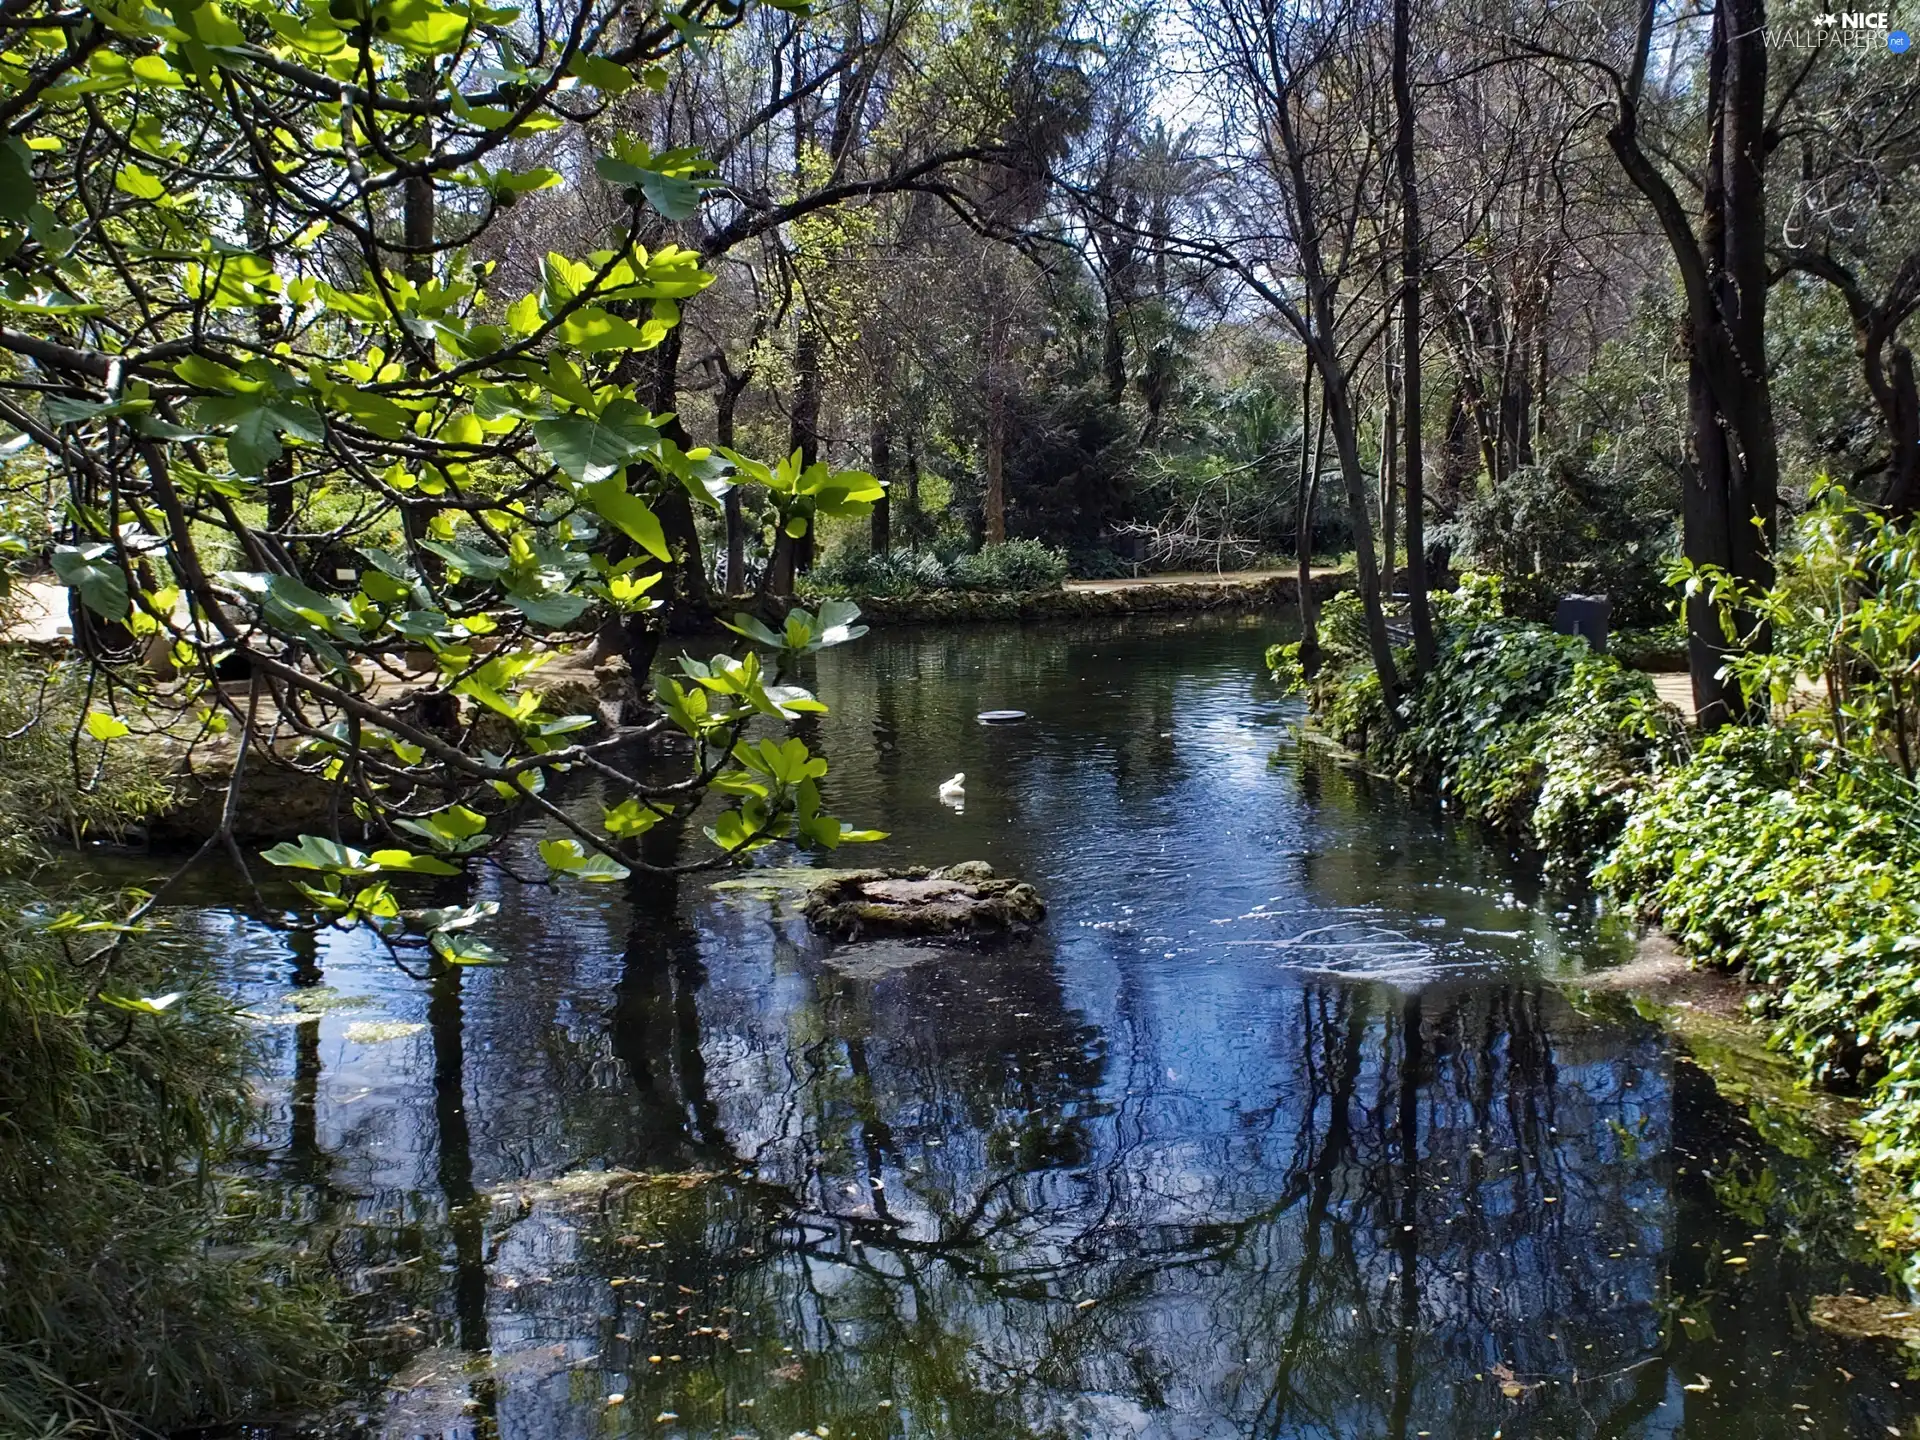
1278 1129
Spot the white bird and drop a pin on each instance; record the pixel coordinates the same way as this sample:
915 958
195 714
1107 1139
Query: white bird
954 789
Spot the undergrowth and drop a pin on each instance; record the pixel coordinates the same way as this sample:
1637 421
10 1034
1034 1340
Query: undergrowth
119 1312
1788 850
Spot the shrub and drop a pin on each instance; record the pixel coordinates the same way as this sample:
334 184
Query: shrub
858 572
1011 567
1762 854
116 1315
1521 728
54 786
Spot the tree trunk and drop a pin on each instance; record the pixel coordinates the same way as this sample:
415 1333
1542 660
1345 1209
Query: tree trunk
1309 492
882 457
734 582
1413 477
1903 419
994 506
1389 473
1338 403
804 432
674 507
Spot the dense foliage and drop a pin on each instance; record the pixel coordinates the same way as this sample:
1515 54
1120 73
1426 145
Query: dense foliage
123 1100
1519 727
1012 567
1788 850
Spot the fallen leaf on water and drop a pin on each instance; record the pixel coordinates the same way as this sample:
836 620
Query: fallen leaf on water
1700 1389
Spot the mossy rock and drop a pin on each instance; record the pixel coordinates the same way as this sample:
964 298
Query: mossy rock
964 900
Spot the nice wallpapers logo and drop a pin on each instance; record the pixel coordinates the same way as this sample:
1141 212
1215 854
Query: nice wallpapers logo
1862 29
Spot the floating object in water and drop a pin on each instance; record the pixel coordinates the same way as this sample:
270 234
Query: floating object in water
954 789
1000 717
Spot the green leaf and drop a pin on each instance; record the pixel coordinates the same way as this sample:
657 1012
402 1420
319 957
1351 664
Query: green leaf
90 569
138 183
410 863
589 448
104 727
673 196
752 629
554 609
16 179
601 73
630 817
617 505
565 857
257 424
458 949
592 329
315 852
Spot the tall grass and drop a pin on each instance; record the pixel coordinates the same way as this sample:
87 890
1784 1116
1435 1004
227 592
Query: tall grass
118 1315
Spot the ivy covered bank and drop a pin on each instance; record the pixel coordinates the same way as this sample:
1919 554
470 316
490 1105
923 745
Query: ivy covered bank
1786 848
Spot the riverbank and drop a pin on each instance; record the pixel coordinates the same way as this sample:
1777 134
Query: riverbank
1761 851
1093 599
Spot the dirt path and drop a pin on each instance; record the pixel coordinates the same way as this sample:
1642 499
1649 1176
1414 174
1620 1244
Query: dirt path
1194 577
43 612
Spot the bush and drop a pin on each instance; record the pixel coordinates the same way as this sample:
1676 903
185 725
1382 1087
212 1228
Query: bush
1012 567
1521 728
53 786
1761 854
857 571
116 1315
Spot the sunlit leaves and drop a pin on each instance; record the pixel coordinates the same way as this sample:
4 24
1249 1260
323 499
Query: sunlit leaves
254 425
589 448
103 727
565 857
619 506
670 181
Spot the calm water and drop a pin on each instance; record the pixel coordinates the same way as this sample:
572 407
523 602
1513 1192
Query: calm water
1280 1128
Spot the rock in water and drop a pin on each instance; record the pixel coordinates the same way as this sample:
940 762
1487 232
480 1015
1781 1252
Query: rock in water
963 899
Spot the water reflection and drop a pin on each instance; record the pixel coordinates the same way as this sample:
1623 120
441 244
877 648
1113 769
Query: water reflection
1278 1129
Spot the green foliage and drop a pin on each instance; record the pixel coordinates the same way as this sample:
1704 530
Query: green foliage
1571 527
1013 567
1846 611
1521 728
115 1313
856 570
1763 854
1789 851
58 779
222 336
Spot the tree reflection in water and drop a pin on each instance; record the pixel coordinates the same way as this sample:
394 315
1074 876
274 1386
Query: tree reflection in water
1172 1171
1459 1211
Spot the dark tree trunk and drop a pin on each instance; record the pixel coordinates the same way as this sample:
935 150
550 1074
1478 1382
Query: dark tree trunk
1309 493
1338 404
726 403
1728 511
804 436
675 509
1114 358
1413 476
1903 419
882 456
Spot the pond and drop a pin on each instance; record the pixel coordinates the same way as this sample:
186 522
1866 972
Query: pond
1281 1126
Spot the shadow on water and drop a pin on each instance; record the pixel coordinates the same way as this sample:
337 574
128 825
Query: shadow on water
1279 1128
